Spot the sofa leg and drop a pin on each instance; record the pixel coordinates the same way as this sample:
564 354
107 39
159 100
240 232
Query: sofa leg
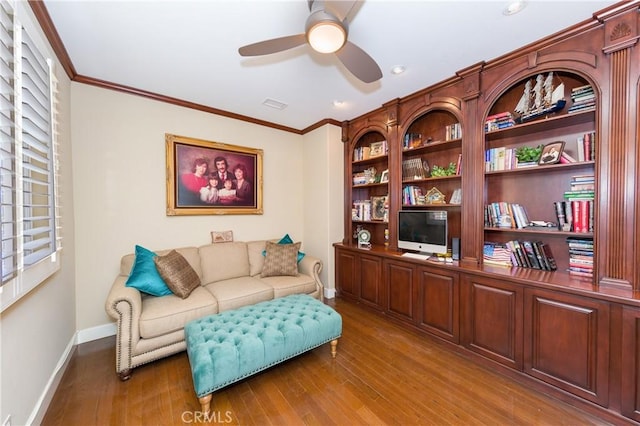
205 403
334 348
125 374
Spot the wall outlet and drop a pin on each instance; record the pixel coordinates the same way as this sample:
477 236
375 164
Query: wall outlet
7 421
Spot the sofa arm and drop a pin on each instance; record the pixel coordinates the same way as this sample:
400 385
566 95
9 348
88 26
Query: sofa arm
312 266
124 304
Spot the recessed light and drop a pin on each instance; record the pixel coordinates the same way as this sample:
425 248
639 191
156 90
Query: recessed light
514 7
274 104
338 104
398 69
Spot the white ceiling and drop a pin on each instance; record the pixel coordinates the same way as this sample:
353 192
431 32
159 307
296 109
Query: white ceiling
189 49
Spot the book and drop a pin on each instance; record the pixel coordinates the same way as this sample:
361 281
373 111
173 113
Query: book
551 261
568 214
540 256
560 217
531 255
521 255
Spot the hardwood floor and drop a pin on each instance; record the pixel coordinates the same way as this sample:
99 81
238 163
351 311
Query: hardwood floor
383 374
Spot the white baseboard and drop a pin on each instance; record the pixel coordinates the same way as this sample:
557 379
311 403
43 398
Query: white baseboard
95 333
50 389
82 336
329 293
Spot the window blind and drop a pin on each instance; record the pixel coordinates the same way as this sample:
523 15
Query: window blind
8 228
38 231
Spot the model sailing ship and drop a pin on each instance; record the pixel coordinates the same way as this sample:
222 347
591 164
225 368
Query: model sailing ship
540 99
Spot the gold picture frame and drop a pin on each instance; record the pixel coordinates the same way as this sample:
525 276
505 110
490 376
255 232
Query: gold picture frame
196 173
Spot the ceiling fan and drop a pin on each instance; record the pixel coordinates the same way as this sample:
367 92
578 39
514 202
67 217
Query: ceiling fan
326 31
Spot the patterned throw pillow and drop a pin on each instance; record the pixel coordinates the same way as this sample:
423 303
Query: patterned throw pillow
280 259
177 273
221 236
144 275
287 240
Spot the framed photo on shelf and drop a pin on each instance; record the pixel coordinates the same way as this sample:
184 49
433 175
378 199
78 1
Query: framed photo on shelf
456 197
551 153
206 178
377 149
434 196
384 177
378 207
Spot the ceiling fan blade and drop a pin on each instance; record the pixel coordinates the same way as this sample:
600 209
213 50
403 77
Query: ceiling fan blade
272 46
339 8
359 63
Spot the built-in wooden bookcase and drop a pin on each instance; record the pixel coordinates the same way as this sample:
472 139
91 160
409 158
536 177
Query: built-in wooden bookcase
520 318
366 195
432 142
537 187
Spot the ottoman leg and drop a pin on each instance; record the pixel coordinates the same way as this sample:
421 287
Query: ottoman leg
334 348
205 403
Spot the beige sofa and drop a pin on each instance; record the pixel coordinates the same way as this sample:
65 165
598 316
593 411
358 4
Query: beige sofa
149 327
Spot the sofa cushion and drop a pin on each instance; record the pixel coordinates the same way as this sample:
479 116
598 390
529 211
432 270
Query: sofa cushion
256 258
163 315
236 292
281 259
224 261
144 276
286 285
177 273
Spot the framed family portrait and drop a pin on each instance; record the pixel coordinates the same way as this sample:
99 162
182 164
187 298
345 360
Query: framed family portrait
205 177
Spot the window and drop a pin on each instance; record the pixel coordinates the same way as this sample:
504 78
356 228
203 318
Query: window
29 208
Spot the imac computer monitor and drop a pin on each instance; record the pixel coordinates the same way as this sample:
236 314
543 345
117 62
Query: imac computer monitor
424 231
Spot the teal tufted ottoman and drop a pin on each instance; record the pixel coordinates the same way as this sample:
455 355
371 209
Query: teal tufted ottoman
232 345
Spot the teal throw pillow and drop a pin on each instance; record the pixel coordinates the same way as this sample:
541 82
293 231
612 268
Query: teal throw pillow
144 276
287 240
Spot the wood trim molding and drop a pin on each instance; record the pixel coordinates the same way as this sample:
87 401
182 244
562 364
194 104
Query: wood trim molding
44 19
179 102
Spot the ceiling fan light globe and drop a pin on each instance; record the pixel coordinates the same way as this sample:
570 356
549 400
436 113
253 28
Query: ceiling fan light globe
325 33
326 37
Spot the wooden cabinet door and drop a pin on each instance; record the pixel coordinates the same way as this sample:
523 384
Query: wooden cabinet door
630 396
346 274
492 319
370 274
567 343
438 303
399 282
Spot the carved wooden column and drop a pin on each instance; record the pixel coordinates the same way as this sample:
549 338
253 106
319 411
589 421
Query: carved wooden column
395 169
472 221
617 229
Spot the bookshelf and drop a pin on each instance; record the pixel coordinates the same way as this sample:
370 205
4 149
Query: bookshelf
432 166
369 183
520 318
535 188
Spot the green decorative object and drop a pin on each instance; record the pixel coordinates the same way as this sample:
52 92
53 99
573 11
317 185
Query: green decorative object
528 154
437 171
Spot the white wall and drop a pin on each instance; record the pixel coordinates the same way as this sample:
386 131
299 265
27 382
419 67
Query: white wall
119 175
324 197
38 330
